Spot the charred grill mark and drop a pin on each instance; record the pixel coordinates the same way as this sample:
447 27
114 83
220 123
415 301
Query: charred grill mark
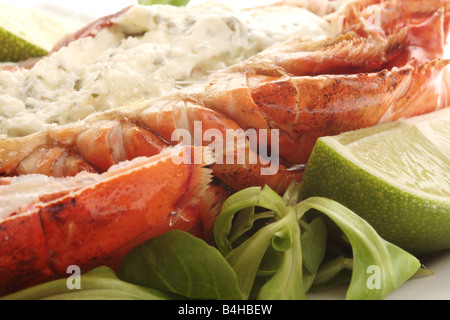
56 209
42 222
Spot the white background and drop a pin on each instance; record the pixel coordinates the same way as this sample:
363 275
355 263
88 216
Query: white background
86 10
436 287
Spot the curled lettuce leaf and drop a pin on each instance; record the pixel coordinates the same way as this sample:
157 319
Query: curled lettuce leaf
378 267
98 284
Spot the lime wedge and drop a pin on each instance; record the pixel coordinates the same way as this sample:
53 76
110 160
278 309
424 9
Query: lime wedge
395 176
26 33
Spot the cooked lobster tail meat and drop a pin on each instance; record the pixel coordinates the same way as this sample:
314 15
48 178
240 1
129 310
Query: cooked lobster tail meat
48 224
349 53
146 130
384 17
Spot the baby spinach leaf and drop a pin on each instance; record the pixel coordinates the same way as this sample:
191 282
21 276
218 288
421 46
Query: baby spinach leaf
314 243
246 258
332 273
293 193
283 258
282 234
391 265
332 268
180 263
251 197
245 221
270 263
287 283
98 284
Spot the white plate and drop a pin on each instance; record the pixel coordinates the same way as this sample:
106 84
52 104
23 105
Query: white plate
436 287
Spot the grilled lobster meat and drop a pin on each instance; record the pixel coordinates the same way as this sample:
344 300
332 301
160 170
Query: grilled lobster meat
96 219
115 181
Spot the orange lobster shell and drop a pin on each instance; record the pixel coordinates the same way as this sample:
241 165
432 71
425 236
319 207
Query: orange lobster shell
364 77
100 218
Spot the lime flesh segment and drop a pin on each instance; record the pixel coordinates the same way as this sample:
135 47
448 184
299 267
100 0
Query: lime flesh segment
413 159
395 176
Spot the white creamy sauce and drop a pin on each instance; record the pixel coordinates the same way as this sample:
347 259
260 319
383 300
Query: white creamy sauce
150 52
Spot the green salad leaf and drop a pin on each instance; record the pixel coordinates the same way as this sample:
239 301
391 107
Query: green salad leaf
98 284
180 263
332 273
179 3
283 235
267 247
287 282
378 267
370 253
